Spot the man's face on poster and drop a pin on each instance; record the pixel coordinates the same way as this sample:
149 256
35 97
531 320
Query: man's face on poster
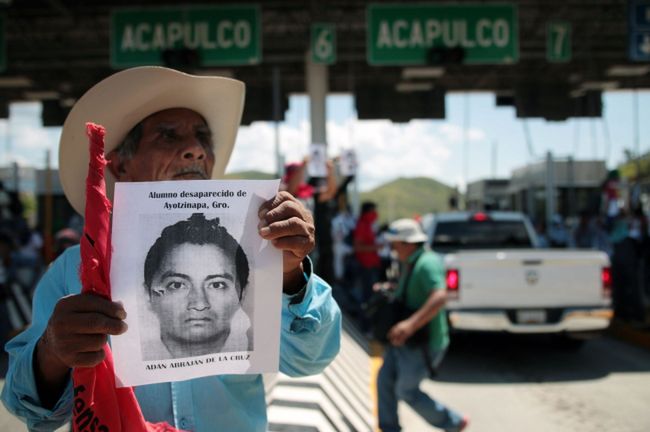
194 293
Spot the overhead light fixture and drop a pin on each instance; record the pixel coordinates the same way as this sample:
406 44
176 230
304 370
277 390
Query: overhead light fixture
577 93
422 72
41 95
599 85
628 70
68 102
575 78
15 81
409 87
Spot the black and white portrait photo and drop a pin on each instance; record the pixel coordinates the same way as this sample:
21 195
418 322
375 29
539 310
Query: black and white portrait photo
195 277
200 286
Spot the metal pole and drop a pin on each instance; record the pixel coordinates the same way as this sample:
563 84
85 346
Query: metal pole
494 158
576 137
465 143
635 116
608 142
8 143
572 190
16 175
637 141
529 139
317 77
594 143
317 81
550 188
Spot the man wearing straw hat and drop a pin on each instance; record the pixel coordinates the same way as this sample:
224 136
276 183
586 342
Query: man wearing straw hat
163 125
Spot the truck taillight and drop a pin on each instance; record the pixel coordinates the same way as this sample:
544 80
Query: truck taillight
453 283
480 217
606 277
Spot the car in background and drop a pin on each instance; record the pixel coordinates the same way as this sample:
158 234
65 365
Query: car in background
498 279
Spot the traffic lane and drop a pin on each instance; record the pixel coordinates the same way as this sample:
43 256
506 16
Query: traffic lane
522 384
507 358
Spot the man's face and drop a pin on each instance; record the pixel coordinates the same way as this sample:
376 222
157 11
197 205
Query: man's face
176 144
194 293
401 249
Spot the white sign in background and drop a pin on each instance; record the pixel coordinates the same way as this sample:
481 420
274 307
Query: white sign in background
317 165
348 163
141 211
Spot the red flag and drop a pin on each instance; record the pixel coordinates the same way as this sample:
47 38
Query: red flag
98 404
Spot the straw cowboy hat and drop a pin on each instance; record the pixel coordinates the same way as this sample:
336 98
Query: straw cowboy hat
122 100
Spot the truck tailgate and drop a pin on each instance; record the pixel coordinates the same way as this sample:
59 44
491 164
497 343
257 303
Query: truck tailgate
528 278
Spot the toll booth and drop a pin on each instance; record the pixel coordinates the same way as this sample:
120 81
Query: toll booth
19 182
488 194
635 178
62 212
16 178
576 186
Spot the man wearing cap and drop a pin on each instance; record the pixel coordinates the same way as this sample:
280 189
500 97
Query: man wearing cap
162 124
405 364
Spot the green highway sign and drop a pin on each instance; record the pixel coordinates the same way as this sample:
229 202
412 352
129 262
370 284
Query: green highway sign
558 42
323 43
3 43
403 34
221 35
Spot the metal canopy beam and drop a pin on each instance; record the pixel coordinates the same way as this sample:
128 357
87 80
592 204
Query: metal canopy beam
63 46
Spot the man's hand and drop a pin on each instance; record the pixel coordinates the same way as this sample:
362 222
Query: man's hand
74 337
79 328
290 227
401 332
384 286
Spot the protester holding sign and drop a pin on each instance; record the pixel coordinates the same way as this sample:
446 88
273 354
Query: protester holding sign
163 125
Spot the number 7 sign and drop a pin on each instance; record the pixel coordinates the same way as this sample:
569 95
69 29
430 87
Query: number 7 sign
558 42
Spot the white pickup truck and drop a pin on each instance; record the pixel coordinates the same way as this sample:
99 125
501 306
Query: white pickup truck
498 280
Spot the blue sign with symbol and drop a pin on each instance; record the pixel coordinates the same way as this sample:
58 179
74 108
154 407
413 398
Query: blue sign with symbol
639 30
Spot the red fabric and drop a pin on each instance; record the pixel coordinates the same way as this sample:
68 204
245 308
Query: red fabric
98 404
304 190
365 235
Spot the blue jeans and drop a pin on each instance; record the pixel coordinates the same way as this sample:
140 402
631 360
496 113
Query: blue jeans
369 276
399 378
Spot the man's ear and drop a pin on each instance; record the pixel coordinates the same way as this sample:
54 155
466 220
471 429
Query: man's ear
116 165
148 297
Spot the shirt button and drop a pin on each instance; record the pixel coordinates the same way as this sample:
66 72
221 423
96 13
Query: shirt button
184 423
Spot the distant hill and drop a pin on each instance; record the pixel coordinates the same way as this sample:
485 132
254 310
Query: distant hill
404 197
407 197
250 175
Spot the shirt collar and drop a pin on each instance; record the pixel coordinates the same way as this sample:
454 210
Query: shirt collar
415 255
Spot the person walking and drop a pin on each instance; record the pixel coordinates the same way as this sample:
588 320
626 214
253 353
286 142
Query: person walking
409 357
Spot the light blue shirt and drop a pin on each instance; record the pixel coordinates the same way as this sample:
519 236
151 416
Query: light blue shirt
310 339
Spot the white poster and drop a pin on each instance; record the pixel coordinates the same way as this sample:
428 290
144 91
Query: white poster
201 288
317 165
348 163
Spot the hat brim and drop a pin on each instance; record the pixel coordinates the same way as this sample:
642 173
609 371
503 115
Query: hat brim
415 238
122 100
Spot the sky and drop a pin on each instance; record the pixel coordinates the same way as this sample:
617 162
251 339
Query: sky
495 140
